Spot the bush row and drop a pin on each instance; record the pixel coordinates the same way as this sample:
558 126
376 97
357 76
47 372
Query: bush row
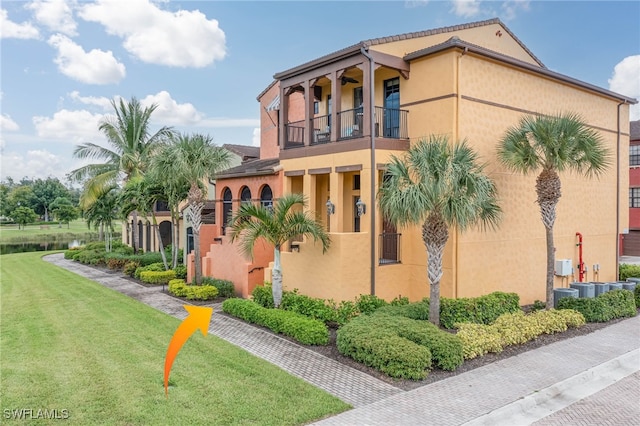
225 288
179 288
157 277
305 330
514 329
605 307
628 271
636 292
398 346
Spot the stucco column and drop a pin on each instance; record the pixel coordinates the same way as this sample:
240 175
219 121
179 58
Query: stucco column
367 101
284 118
336 185
336 99
365 196
308 112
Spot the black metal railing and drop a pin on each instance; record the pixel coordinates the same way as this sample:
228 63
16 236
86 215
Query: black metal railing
321 129
391 123
294 134
351 122
389 248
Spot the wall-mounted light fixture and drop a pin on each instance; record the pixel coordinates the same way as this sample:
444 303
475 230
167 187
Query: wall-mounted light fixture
331 208
361 207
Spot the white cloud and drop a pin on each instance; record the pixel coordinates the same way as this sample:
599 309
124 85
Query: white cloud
93 67
171 112
255 140
70 126
7 124
466 8
102 102
56 15
511 8
625 81
9 29
35 164
180 39
415 3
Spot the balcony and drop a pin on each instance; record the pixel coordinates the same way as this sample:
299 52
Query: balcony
389 123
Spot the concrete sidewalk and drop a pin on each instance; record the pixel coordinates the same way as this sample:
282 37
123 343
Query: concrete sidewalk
548 384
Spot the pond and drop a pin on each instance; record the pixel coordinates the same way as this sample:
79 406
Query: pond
44 246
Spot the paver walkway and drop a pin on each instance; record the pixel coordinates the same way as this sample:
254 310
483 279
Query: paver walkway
471 397
348 384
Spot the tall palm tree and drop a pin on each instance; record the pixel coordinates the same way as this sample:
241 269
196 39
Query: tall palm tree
102 212
552 144
276 224
131 146
438 185
196 158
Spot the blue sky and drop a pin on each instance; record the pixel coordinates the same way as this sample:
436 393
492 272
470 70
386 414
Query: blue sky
204 62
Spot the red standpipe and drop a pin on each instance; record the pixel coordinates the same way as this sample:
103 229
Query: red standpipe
580 262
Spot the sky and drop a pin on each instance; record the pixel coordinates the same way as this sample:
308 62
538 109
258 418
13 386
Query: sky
205 62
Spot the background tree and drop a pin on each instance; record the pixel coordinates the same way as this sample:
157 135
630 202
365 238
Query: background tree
195 159
552 144
439 186
64 211
45 192
23 216
131 147
19 196
276 225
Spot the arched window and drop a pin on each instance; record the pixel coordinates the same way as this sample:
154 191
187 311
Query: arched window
245 194
266 196
227 207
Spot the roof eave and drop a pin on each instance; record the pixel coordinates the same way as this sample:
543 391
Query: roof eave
323 60
455 42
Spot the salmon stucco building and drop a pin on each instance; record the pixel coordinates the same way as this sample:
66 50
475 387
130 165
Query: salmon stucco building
342 116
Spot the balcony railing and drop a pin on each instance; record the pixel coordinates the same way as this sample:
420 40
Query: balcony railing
389 248
389 123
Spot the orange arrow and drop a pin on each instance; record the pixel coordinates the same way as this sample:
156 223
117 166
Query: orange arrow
198 318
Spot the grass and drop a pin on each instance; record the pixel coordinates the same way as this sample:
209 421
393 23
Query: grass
69 343
54 232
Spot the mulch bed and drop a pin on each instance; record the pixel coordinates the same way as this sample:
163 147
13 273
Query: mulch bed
331 350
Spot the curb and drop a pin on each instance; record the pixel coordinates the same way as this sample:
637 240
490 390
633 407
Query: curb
562 394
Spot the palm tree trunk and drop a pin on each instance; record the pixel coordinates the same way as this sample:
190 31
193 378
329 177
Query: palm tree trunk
159 237
101 232
435 234
195 217
135 232
276 278
550 267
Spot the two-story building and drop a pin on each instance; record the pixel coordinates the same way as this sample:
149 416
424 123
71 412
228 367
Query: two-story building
371 100
631 240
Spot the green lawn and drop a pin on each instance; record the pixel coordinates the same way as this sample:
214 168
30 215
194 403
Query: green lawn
69 343
36 233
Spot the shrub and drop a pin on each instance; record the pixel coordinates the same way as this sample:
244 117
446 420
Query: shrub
480 310
225 288
308 306
636 292
373 341
158 277
368 303
181 271
538 305
90 257
116 260
263 296
605 307
130 268
179 288
305 330
514 328
628 271
157 267
68 254
399 301
344 311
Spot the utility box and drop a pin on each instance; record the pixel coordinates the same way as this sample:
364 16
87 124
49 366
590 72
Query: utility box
560 293
585 290
563 267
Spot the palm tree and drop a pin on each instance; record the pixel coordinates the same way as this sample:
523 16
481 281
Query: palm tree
552 144
101 213
195 158
131 146
438 186
276 224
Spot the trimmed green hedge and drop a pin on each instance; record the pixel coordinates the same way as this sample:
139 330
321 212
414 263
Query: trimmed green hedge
636 293
179 288
398 346
605 307
157 277
628 271
305 330
514 329
225 288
